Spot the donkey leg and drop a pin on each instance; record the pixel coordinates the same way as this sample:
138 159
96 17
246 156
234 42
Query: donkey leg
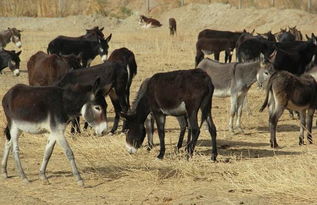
309 122
47 155
217 54
75 126
193 123
240 102
149 128
160 123
7 149
233 110
60 138
273 119
302 126
213 133
15 133
117 108
183 124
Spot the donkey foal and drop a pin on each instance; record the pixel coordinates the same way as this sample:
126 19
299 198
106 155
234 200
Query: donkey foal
285 90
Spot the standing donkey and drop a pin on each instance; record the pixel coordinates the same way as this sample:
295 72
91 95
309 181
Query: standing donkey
47 110
168 94
232 80
286 90
11 34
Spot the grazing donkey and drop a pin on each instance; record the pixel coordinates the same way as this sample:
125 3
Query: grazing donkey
113 76
11 34
234 80
47 110
170 94
10 59
286 90
172 26
149 123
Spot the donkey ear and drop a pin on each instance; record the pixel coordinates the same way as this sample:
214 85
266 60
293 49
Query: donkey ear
20 31
101 29
95 87
307 37
18 53
109 38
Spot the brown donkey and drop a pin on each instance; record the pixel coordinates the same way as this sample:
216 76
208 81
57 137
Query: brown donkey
39 110
286 90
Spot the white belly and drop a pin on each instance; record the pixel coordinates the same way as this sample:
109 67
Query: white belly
179 110
222 92
33 127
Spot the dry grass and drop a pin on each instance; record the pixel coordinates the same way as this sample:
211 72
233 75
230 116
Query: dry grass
124 8
248 171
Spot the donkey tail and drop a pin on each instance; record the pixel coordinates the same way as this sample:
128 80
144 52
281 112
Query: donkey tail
7 133
205 106
268 89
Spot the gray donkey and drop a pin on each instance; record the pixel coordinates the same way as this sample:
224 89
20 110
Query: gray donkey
232 80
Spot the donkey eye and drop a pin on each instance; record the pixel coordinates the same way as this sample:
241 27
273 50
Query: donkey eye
98 108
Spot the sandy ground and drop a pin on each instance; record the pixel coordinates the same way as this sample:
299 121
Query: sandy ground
248 171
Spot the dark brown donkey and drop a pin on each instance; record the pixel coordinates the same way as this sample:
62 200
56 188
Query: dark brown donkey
11 34
171 94
286 90
125 57
47 110
45 69
172 26
207 46
113 75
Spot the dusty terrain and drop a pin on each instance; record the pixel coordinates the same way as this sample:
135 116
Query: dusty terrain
248 171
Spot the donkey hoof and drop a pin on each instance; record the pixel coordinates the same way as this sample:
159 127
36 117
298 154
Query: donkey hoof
5 175
81 183
25 180
275 146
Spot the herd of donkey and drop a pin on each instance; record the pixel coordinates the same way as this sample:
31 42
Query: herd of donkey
63 86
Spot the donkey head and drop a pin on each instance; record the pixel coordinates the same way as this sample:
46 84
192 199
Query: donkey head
95 31
136 132
16 36
13 60
91 104
103 47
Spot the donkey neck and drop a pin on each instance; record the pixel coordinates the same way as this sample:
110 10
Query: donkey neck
73 103
248 72
5 37
142 110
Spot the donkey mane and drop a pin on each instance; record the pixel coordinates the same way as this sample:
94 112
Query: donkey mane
140 94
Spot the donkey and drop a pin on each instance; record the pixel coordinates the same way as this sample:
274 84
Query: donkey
234 80
11 34
45 69
10 59
125 57
147 22
172 26
149 123
47 110
113 76
171 94
298 35
207 46
86 48
286 90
